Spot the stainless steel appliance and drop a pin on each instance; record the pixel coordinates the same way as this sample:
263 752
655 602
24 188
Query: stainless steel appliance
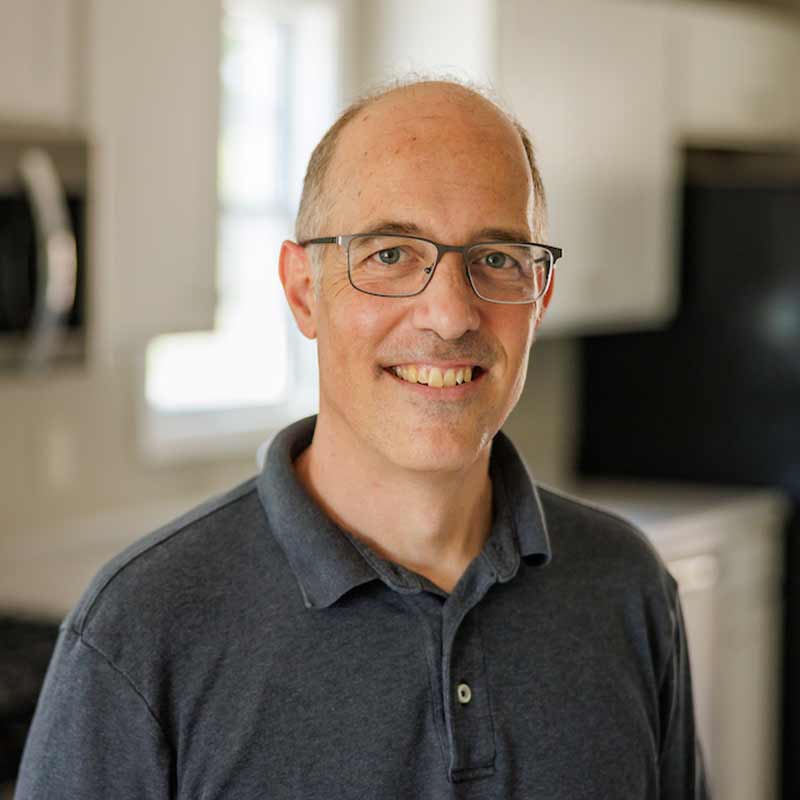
43 206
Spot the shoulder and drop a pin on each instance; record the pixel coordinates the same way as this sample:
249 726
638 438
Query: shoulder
597 542
586 529
167 579
606 569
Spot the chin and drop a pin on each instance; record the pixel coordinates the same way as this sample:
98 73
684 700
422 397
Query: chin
436 451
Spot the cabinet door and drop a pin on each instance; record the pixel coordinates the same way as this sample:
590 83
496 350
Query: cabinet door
37 60
153 75
736 73
590 82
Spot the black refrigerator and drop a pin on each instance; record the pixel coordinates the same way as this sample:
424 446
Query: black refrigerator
715 396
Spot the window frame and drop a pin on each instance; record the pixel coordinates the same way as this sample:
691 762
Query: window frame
167 436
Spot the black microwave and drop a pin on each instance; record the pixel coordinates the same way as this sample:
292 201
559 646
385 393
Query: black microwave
43 214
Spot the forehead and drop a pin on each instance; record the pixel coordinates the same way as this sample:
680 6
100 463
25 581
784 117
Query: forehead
426 155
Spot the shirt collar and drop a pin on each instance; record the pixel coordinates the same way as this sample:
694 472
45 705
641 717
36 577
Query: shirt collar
328 562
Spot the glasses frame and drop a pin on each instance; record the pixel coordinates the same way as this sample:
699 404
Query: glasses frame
345 239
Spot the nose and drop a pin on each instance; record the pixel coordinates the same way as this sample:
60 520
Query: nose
448 306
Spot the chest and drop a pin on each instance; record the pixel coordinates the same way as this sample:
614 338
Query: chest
399 700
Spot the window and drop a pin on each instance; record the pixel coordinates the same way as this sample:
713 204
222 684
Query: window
224 390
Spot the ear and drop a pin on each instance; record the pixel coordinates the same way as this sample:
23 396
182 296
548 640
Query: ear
297 277
541 306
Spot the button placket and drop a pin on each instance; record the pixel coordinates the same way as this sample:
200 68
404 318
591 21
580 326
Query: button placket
428 609
467 707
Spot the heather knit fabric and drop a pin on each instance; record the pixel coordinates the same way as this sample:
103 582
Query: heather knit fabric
252 649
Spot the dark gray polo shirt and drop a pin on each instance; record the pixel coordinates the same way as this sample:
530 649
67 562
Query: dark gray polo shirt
252 649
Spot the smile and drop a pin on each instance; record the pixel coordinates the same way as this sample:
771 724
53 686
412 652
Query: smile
435 377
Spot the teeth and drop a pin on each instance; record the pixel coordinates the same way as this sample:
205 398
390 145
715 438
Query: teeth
434 376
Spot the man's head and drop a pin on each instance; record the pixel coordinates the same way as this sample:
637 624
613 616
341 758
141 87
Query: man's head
317 196
438 160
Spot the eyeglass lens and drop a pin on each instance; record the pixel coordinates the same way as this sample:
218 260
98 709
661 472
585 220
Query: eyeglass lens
397 266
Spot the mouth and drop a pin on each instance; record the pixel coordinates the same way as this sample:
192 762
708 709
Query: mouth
437 377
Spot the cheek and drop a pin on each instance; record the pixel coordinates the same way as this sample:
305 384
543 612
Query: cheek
351 338
517 365
516 332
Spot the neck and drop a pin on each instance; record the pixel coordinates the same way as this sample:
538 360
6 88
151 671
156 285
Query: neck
432 523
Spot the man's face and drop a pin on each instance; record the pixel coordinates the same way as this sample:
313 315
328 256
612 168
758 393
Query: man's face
447 167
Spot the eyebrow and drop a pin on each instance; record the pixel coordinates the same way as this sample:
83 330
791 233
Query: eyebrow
482 235
393 226
503 235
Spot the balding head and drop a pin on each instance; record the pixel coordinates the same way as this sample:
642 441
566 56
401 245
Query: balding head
448 107
428 162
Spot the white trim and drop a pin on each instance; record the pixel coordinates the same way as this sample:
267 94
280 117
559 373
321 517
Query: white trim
168 438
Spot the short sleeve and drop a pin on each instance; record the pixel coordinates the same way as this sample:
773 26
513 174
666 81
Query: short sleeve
682 771
93 736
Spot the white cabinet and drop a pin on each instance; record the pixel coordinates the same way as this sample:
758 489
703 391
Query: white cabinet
153 84
735 72
39 61
590 80
725 550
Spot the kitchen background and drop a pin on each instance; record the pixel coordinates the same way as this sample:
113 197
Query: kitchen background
181 128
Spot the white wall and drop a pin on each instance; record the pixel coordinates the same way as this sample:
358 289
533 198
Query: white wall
450 36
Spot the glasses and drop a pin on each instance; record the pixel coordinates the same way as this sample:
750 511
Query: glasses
395 265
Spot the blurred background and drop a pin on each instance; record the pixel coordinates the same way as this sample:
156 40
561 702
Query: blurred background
151 156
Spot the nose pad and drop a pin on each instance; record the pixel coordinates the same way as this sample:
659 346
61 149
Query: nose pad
458 271
448 306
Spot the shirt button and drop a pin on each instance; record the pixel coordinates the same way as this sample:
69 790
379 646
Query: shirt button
464 693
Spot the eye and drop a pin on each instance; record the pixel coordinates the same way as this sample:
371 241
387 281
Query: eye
389 256
498 260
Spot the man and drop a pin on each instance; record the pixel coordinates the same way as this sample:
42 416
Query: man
391 609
